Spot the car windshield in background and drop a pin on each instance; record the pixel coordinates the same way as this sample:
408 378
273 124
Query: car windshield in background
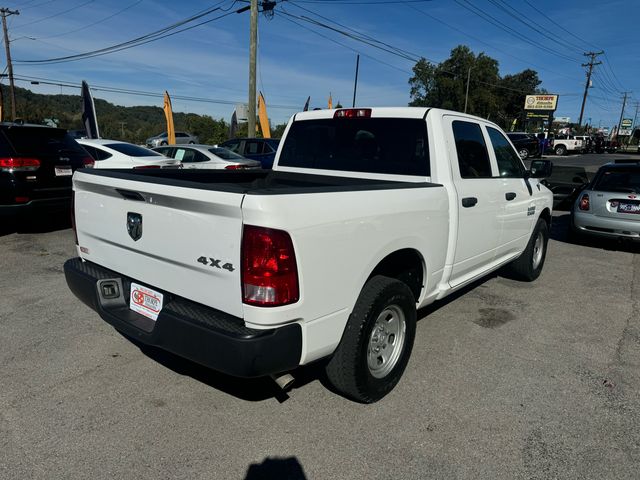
372 145
226 154
619 180
132 150
42 140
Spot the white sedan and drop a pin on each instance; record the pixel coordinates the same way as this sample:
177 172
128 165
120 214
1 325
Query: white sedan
116 154
207 156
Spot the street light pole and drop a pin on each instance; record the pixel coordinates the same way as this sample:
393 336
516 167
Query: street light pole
253 47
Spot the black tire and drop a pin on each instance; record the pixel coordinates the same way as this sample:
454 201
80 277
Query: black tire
192 143
349 369
560 150
524 153
163 143
528 266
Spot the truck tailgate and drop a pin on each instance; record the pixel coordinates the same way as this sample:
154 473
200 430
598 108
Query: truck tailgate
189 243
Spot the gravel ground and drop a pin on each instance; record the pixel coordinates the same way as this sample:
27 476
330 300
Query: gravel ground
507 380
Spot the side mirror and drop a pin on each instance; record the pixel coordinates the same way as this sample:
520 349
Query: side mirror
541 168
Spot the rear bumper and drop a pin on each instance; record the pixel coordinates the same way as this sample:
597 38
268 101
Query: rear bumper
39 206
604 227
202 334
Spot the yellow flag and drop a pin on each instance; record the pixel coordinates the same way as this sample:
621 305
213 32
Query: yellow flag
168 113
264 119
330 102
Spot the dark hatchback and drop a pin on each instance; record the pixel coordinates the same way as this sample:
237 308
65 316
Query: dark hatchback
36 165
526 144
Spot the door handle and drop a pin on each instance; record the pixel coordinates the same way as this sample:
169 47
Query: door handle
469 202
510 196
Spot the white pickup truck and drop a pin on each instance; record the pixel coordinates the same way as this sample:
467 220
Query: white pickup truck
367 215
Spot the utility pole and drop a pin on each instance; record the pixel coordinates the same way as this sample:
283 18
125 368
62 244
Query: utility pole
624 104
591 64
355 85
466 97
253 47
5 12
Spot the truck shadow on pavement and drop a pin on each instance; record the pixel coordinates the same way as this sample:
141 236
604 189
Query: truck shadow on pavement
249 389
276 468
560 233
35 224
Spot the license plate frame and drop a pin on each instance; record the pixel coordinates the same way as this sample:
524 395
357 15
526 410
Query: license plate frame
627 207
145 301
63 171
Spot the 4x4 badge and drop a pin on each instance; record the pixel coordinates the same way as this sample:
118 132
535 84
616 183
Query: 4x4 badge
134 225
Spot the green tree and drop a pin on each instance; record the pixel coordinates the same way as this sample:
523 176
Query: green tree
445 85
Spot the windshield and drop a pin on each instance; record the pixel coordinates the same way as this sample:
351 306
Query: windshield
132 150
619 180
226 154
372 145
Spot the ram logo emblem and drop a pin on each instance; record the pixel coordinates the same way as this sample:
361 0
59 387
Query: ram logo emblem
134 225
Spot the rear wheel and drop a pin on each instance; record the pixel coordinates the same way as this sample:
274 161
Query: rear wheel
163 143
560 150
528 266
376 343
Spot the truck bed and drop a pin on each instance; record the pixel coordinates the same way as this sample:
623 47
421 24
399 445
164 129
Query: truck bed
255 182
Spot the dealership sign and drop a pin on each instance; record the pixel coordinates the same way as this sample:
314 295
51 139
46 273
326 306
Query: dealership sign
541 102
626 123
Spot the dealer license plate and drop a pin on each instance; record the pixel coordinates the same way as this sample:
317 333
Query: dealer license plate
145 301
629 207
63 171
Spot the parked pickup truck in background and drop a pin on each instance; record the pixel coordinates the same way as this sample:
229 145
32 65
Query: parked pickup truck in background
367 215
564 144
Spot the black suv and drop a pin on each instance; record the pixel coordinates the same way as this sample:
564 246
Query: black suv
526 144
260 149
36 165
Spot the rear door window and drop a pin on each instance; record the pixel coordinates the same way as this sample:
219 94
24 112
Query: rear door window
473 158
371 145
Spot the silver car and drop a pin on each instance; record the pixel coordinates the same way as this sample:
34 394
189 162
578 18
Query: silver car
207 156
610 205
181 138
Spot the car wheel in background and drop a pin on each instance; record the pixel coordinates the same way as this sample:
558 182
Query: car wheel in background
163 143
524 153
560 150
376 343
192 143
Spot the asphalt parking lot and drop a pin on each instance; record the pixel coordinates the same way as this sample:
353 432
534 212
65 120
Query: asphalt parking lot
507 380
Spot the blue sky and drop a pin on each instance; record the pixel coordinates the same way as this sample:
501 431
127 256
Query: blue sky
211 61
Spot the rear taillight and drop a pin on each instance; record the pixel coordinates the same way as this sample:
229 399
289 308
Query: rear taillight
269 270
88 162
235 167
140 167
19 164
73 215
353 113
584 202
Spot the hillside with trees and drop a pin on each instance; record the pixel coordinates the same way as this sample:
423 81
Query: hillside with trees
132 124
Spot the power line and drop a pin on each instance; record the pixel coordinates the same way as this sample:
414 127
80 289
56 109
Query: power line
55 15
504 52
141 93
128 7
149 37
497 23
